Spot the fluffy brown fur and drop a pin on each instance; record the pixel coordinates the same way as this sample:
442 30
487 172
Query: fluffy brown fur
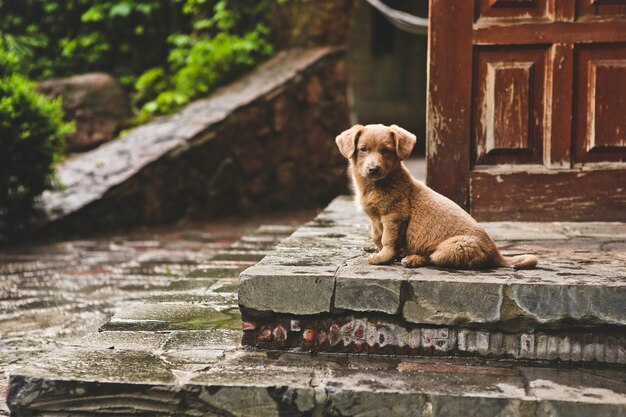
408 218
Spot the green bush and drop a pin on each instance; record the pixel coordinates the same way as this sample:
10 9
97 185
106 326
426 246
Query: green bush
32 134
227 37
63 38
166 52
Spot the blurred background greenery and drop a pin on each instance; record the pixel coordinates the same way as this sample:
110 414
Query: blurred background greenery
164 52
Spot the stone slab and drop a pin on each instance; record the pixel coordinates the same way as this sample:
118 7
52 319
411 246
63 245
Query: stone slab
580 281
452 303
172 316
297 290
356 291
163 382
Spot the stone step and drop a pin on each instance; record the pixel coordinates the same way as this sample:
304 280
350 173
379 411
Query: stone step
189 373
153 282
317 291
204 299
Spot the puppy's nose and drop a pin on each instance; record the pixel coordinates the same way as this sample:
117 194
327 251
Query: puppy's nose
373 170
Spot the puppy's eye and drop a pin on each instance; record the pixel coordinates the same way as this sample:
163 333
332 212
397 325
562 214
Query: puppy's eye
386 151
363 149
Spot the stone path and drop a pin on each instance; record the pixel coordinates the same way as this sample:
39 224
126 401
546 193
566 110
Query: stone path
52 294
202 373
166 304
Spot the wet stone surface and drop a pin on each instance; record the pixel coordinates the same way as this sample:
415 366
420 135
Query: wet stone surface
148 286
165 305
580 282
164 378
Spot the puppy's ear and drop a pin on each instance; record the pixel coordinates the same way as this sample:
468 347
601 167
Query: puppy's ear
404 139
346 141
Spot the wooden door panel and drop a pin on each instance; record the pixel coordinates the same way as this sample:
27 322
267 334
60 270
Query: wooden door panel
510 9
594 9
508 106
527 108
534 194
601 104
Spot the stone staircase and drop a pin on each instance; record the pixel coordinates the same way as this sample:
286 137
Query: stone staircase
340 338
315 291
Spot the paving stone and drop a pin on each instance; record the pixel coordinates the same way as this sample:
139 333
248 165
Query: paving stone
102 365
211 271
173 316
368 403
299 290
355 291
220 339
240 255
253 383
557 385
138 341
53 294
516 231
276 229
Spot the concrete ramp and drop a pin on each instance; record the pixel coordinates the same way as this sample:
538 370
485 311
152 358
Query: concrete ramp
264 142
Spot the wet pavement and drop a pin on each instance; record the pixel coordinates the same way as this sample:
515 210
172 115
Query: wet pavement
146 323
55 293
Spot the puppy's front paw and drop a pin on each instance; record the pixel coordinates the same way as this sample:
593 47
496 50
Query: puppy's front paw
414 261
379 259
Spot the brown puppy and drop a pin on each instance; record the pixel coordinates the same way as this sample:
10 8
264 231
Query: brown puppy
409 218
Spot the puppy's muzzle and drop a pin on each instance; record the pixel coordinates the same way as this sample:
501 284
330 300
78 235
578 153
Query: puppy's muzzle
374 171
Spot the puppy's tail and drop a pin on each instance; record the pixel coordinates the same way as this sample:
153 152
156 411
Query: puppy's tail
521 261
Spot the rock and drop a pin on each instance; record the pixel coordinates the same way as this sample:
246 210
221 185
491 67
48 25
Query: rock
96 102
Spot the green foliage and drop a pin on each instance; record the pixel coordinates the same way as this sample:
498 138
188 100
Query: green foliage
227 37
167 51
123 37
32 133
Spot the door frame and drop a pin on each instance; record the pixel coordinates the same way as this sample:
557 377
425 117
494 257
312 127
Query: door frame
449 100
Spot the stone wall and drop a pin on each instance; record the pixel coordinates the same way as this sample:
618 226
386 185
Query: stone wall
311 22
263 143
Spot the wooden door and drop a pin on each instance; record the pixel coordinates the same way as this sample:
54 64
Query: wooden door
527 108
